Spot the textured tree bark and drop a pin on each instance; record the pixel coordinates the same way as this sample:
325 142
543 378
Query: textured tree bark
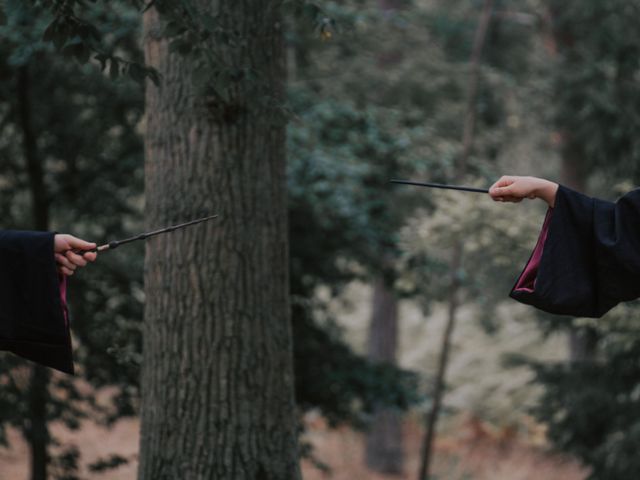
384 447
36 430
217 381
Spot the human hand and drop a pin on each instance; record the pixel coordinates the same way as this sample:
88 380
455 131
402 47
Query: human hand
514 189
68 261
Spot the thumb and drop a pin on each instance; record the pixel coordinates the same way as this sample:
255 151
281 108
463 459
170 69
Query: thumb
500 191
80 244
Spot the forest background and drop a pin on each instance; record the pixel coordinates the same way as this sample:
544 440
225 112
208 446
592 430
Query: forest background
381 279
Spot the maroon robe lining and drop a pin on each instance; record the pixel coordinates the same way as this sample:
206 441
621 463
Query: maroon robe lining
527 280
62 281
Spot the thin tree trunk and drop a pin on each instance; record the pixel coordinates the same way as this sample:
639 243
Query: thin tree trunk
458 249
384 452
443 361
35 170
217 375
36 431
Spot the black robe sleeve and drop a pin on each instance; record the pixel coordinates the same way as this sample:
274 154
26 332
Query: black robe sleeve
33 319
587 259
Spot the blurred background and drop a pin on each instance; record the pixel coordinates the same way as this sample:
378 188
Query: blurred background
409 356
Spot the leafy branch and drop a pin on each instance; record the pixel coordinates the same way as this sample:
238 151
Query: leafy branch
79 39
211 43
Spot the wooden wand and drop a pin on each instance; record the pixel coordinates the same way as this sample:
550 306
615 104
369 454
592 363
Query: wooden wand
440 185
143 236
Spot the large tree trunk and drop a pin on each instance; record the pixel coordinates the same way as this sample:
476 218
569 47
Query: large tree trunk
384 451
36 430
217 381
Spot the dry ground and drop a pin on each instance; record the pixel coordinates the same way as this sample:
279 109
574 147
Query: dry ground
471 451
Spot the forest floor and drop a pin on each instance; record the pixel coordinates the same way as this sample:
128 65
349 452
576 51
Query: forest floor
472 450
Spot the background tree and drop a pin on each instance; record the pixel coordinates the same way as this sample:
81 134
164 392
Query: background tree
364 131
335 212
468 137
596 61
217 296
384 447
352 125
56 157
353 383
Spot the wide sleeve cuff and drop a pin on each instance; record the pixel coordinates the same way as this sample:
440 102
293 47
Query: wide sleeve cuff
561 276
33 320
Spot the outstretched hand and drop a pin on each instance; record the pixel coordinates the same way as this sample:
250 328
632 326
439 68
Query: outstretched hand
68 261
514 189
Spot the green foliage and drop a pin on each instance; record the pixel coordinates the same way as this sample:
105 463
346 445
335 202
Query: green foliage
368 71
346 388
65 465
87 126
596 82
339 158
87 142
73 31
109 463
593 408
211 43
364 108
492 238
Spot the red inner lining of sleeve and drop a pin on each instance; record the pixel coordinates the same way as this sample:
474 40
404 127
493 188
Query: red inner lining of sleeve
527 280
62 281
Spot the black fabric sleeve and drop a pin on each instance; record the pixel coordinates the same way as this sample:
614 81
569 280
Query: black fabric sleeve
32 320
590 258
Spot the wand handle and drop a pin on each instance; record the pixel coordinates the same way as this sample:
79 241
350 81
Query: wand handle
98 249
440 185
